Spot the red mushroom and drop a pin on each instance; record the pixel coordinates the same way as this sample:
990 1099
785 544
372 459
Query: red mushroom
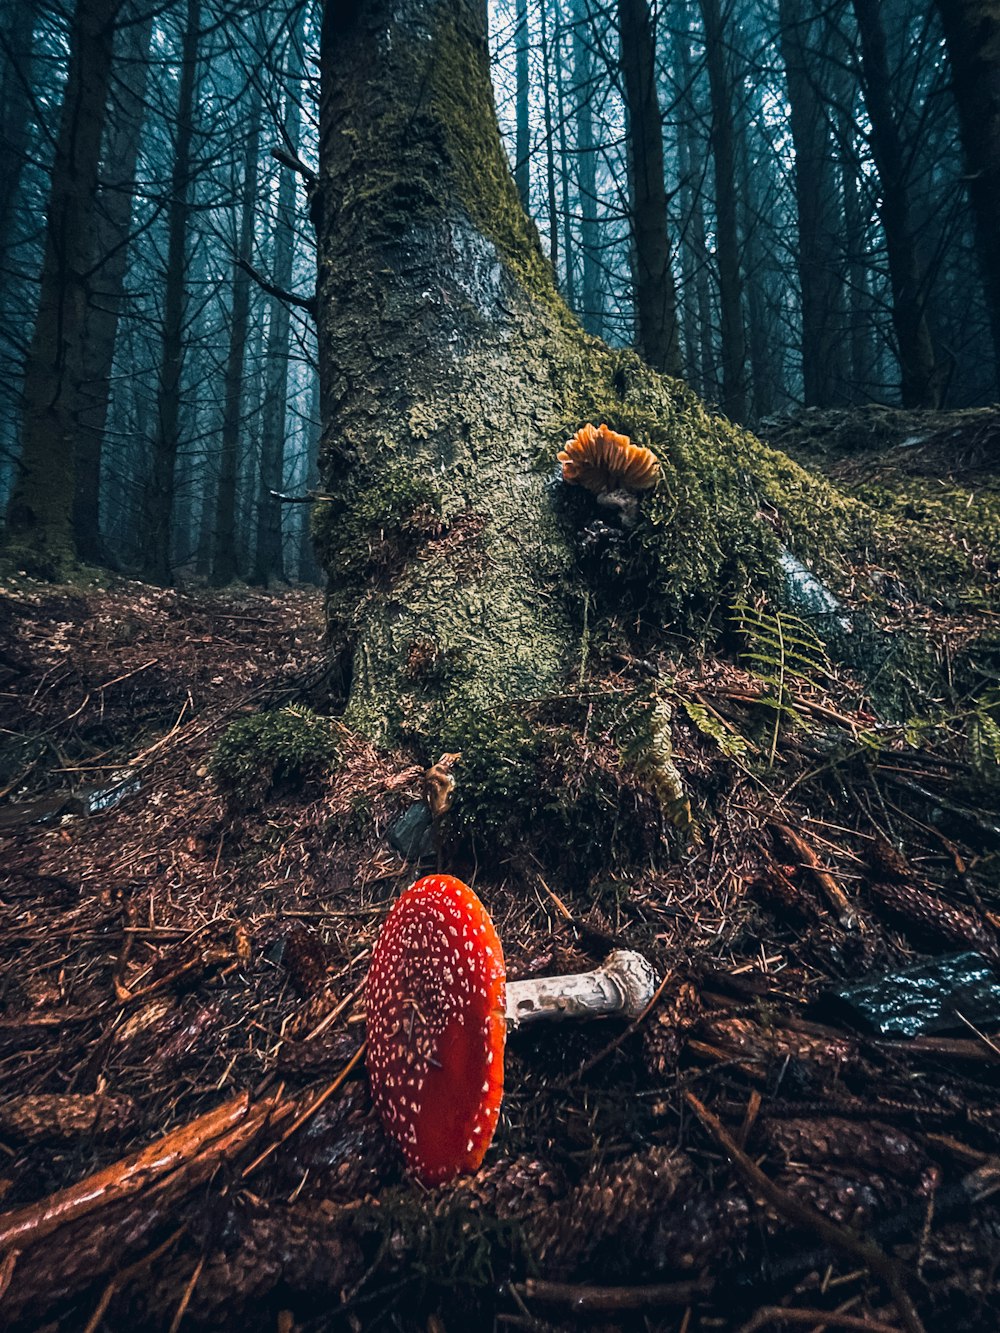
436 1022
437 1014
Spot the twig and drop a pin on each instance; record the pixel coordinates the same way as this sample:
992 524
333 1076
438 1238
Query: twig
310 497
307 303
837 1237
175 1323
818 1319
613 1045
613 1298
295 164
846 914
125 1275
309 1112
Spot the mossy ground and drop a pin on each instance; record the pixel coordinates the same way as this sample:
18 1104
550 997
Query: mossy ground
272 751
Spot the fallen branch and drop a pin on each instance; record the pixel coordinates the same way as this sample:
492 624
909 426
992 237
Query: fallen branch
817 1320
51 1249
27 1226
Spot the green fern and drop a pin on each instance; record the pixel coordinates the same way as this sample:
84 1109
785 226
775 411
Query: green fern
730 742
783 650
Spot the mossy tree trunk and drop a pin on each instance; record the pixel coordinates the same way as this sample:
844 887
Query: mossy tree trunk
451 374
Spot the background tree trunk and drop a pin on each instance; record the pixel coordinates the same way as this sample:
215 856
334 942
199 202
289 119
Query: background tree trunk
697 296
158 501
269 557
40 517
113 222
724 113
972 31
824 361
658 338
224 562
522 141
921 383
15 111
591 299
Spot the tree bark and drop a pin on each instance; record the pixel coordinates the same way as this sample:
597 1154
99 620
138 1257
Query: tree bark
972 33
921 381
734 378
224 562
113 221
451 374
40 521
655 295
824 363
158 500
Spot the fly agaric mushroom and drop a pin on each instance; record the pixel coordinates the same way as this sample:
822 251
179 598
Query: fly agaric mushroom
436 1027
437 1015
603 462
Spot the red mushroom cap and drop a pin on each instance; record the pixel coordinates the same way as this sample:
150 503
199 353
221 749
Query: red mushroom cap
435 1002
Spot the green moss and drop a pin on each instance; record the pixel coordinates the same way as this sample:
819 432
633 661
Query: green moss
257 755
366 535
942 538
569 775
714 525
475 409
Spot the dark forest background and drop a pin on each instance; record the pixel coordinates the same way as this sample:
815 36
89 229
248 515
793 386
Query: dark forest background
787 202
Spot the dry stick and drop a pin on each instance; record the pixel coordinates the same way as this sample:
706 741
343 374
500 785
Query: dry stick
819 1319
846 914
309 1112
188 1293
125 1275
613 1298
837 1237
335 1013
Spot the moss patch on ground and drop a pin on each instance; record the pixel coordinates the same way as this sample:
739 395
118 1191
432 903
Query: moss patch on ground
282 749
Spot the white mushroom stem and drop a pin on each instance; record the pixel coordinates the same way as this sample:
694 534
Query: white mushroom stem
623 984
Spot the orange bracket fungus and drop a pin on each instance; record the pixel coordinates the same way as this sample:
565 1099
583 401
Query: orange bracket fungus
438 1010
603 462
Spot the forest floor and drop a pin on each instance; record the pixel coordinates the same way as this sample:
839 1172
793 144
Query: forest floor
186 1139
